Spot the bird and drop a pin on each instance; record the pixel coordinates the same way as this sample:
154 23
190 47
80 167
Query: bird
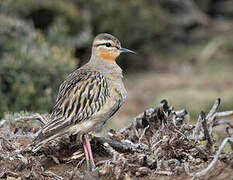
88 97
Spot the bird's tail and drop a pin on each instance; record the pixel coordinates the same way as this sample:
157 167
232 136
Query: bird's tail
53 129
40 140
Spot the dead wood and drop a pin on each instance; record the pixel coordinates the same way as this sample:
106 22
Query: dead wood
42 118
158 142
52 175
162 130
124 145
213 162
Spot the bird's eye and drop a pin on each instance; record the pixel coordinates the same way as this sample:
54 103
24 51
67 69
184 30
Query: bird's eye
108 45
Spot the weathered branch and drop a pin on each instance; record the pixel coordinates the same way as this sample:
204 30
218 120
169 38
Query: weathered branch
204 171
40 117
52 175
4 174
229 135
214 108
197 129
208 136
123 146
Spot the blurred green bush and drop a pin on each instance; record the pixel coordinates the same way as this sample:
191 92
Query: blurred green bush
30 67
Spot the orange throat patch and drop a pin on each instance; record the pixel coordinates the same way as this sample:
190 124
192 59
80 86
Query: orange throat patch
107 56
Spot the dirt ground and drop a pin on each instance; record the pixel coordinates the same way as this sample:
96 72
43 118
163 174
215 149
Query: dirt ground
158 144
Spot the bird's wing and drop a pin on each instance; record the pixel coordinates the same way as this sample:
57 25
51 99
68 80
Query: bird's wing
80 96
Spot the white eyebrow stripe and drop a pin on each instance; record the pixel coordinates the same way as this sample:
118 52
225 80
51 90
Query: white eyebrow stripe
103 41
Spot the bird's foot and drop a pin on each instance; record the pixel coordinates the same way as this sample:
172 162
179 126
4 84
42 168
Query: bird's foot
92 135
91 166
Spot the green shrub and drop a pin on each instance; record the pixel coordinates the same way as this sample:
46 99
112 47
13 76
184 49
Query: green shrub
31 69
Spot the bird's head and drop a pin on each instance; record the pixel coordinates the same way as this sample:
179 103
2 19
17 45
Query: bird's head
107 47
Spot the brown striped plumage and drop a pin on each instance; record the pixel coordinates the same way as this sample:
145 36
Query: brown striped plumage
89 96
83 94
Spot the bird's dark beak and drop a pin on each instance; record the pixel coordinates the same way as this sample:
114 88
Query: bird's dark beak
124 50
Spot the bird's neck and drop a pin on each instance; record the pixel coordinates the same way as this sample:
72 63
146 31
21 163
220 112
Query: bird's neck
107 56
108 68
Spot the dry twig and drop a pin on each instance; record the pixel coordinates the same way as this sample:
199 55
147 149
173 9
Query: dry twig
43 119
211 165
52 175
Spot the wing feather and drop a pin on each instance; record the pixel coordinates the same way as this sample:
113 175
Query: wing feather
80 96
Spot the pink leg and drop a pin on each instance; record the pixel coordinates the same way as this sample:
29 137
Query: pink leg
86 154
89 150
